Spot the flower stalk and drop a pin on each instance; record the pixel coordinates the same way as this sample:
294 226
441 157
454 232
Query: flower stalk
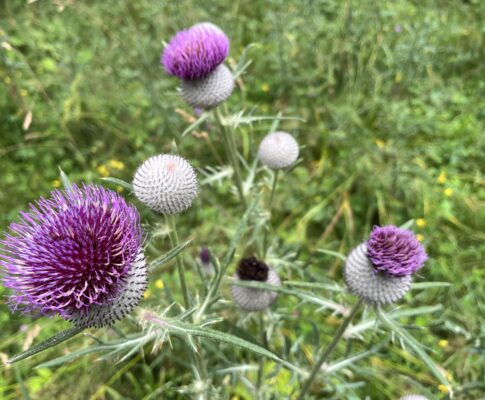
197 361
174 239
261 359
329 350
270 206
231 150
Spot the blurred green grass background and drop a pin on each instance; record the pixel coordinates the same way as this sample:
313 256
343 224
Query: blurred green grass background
393 94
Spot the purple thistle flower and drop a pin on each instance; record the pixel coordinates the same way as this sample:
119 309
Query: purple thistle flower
195 52
74 253
205 255
254 299
395 251
205 261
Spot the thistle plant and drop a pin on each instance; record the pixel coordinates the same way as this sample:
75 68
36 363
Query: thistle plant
168 184
196 56
378 272
80 254
277 150
77 254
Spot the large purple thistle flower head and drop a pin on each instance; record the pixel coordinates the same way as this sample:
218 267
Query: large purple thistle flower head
195 52
395 251
72 252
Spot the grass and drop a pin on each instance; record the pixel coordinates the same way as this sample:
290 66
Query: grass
392 98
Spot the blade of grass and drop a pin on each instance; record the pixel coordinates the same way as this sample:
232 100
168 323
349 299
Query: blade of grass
415 346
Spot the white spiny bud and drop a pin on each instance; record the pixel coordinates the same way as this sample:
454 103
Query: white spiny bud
166 183
278 150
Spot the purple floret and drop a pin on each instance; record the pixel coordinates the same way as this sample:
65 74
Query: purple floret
195 52
395 251
70 251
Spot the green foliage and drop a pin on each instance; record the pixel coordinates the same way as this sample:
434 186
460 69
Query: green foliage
391 94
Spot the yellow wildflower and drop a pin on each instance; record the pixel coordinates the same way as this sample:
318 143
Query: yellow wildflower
56 183
448 192
332 320
442 178
420 222
420 237
116 164
443 389
443 343
377 362
265 88
159 284
380 143
147 294
103 170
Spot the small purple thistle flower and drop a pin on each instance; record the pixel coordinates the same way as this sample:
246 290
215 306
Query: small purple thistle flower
195 52
205 255
72 252
205 262
395 251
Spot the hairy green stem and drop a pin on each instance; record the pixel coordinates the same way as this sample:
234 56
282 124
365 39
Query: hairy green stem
231 150
261 359
46 344
180 263
273 189
197 360
329 350
270 206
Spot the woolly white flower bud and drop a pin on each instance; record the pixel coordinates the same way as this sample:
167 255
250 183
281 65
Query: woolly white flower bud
166 183
254 299
413 397
278 150
124 301
370 285
210 91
